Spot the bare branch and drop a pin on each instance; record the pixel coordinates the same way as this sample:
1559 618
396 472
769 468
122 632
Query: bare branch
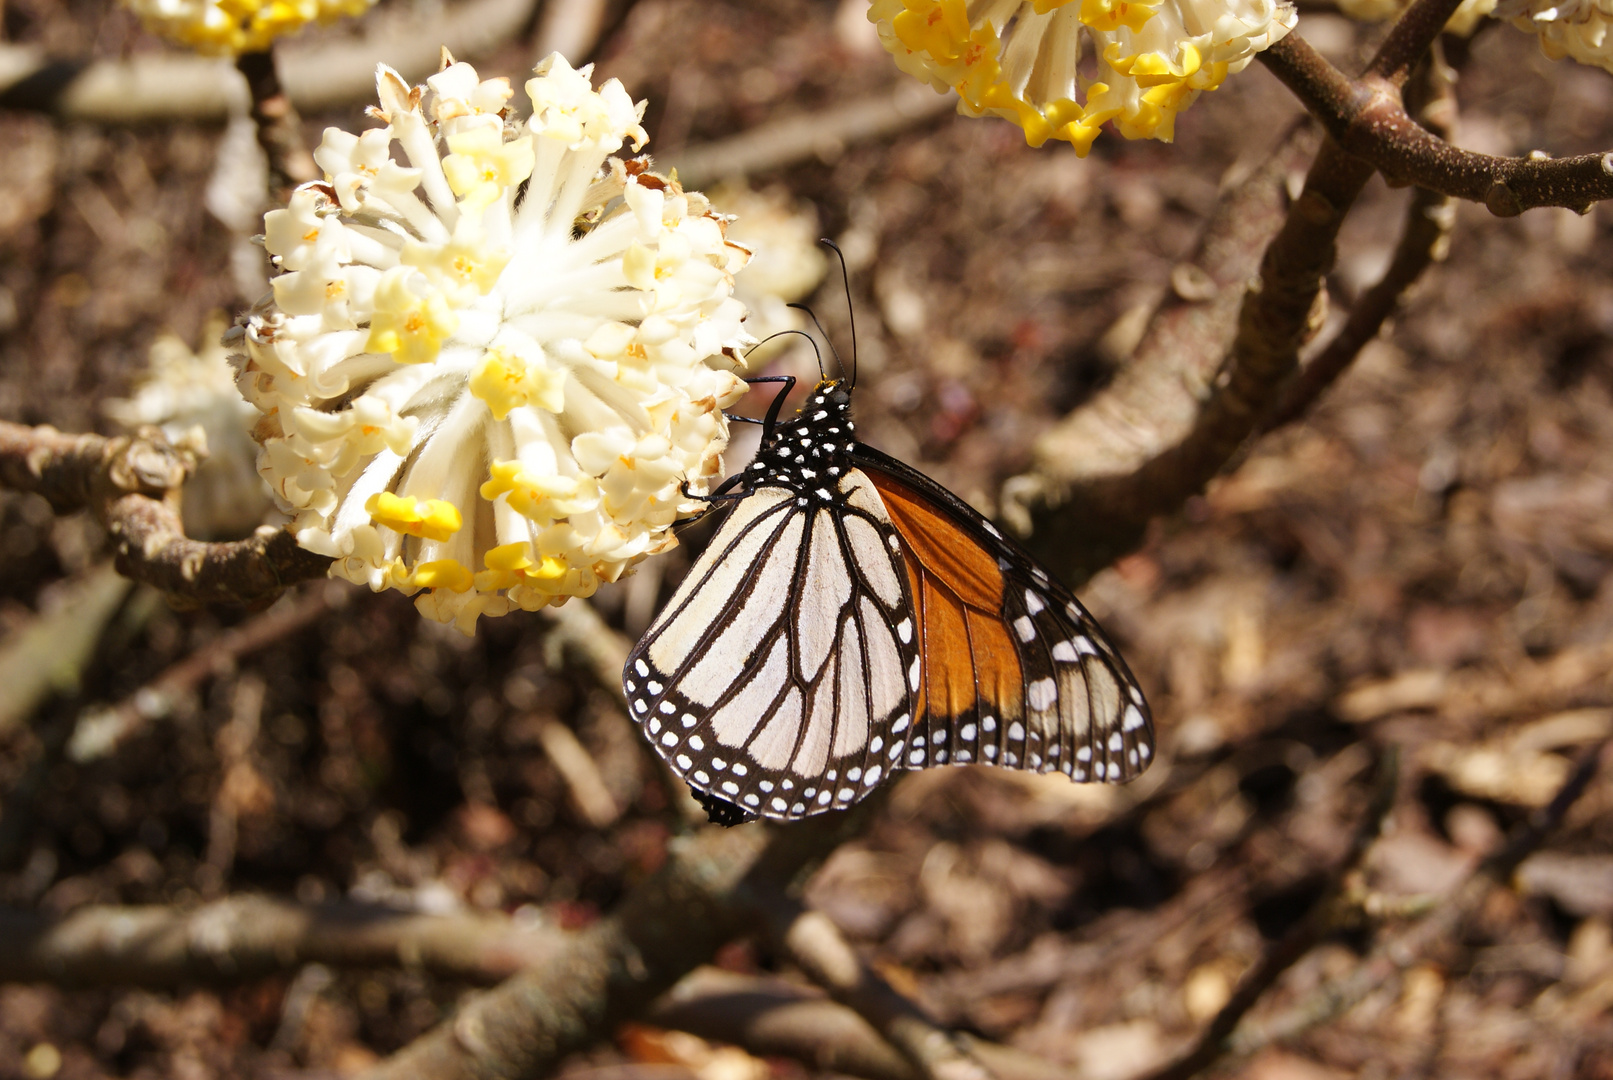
131 485
1413 35
246 937
1178 413
773 1018
817 948
279 127
1367 119
664 929
1424 240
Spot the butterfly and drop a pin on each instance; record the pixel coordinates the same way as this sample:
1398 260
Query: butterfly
851 619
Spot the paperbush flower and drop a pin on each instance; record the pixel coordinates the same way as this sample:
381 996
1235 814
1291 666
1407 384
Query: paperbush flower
1576 28
192 397
1021 61
486 374
787 262
237 26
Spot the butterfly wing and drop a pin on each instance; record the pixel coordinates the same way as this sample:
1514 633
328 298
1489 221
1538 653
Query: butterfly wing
781 677
1016 672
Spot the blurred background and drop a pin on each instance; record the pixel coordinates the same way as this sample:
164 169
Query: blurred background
1423 561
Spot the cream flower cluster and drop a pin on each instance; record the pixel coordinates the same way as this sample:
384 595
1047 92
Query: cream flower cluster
237 26
1576 28
192 397
1021 60
486 374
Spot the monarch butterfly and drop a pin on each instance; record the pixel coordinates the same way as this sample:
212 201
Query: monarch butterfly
852 618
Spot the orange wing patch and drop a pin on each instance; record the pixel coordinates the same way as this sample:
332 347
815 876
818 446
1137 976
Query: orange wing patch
958 593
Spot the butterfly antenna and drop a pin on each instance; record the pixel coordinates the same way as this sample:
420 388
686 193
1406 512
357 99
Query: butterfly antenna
839 363
809 337
851 313
785 333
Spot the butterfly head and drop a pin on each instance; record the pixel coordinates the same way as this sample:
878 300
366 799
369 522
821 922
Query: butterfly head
809 452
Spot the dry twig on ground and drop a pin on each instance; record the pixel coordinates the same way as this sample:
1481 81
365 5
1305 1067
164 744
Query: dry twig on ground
247 937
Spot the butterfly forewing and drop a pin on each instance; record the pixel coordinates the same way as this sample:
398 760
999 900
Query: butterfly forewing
785 661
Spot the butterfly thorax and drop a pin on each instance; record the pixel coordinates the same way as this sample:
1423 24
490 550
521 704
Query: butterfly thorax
810 452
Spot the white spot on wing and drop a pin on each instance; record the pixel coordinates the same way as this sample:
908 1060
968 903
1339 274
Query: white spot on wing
1033 601
1041 694
1064 652
1025 628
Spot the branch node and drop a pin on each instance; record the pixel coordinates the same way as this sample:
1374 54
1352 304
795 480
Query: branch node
1502 201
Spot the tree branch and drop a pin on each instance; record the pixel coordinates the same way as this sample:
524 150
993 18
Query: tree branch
1179 411
279 128
612 971
774 1018
1366 118
1424 240
131 485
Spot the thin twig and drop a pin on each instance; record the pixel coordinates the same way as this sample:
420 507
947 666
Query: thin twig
611 971
1424 240
769 1017
100 731
1322 919
816 946
1405 948
1414 33
1157 435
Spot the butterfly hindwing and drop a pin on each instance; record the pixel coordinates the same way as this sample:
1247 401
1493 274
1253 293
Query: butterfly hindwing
1016 672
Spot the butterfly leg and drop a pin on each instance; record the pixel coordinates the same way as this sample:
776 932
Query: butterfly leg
778 401
722 493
